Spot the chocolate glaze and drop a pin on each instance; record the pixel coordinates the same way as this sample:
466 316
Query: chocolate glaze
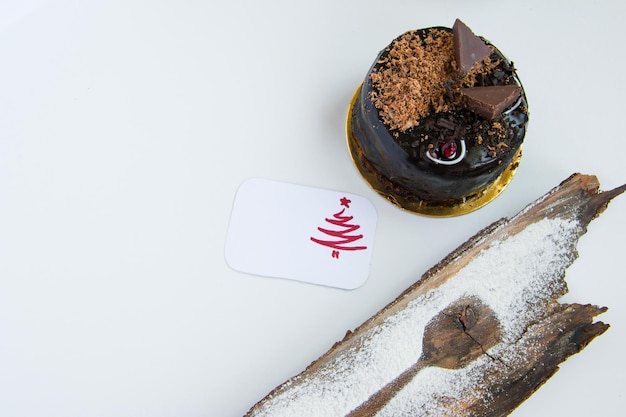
401 163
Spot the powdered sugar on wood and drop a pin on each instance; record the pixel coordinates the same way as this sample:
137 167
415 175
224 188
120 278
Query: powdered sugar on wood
516 277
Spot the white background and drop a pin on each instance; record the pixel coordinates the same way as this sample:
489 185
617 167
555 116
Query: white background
126 128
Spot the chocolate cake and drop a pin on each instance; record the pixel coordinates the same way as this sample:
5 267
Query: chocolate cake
438 123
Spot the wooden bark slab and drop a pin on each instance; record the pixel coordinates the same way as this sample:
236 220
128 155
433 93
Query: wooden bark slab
476 335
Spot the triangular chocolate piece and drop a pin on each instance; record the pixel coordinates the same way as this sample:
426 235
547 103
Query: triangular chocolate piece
490 102
468 48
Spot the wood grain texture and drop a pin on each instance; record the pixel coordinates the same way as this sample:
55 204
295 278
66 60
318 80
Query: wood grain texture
552 335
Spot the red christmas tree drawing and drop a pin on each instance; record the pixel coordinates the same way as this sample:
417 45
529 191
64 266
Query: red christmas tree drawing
341 237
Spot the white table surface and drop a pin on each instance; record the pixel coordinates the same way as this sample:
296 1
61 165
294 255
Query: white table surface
126 128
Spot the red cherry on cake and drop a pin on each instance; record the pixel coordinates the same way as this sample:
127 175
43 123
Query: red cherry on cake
448 150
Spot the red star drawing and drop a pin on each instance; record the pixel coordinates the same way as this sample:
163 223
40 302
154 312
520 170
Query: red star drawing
345 202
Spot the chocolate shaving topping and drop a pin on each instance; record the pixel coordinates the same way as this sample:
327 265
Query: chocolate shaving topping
469 49
430 72
410 79
491 101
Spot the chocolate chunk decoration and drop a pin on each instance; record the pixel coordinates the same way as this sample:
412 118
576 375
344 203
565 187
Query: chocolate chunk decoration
468 48
490 102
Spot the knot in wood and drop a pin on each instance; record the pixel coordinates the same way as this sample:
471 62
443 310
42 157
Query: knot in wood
468 317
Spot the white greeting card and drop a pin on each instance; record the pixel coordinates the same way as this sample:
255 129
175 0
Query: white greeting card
302 233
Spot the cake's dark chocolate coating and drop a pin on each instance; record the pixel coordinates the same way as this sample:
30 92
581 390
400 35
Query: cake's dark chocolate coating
402 161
